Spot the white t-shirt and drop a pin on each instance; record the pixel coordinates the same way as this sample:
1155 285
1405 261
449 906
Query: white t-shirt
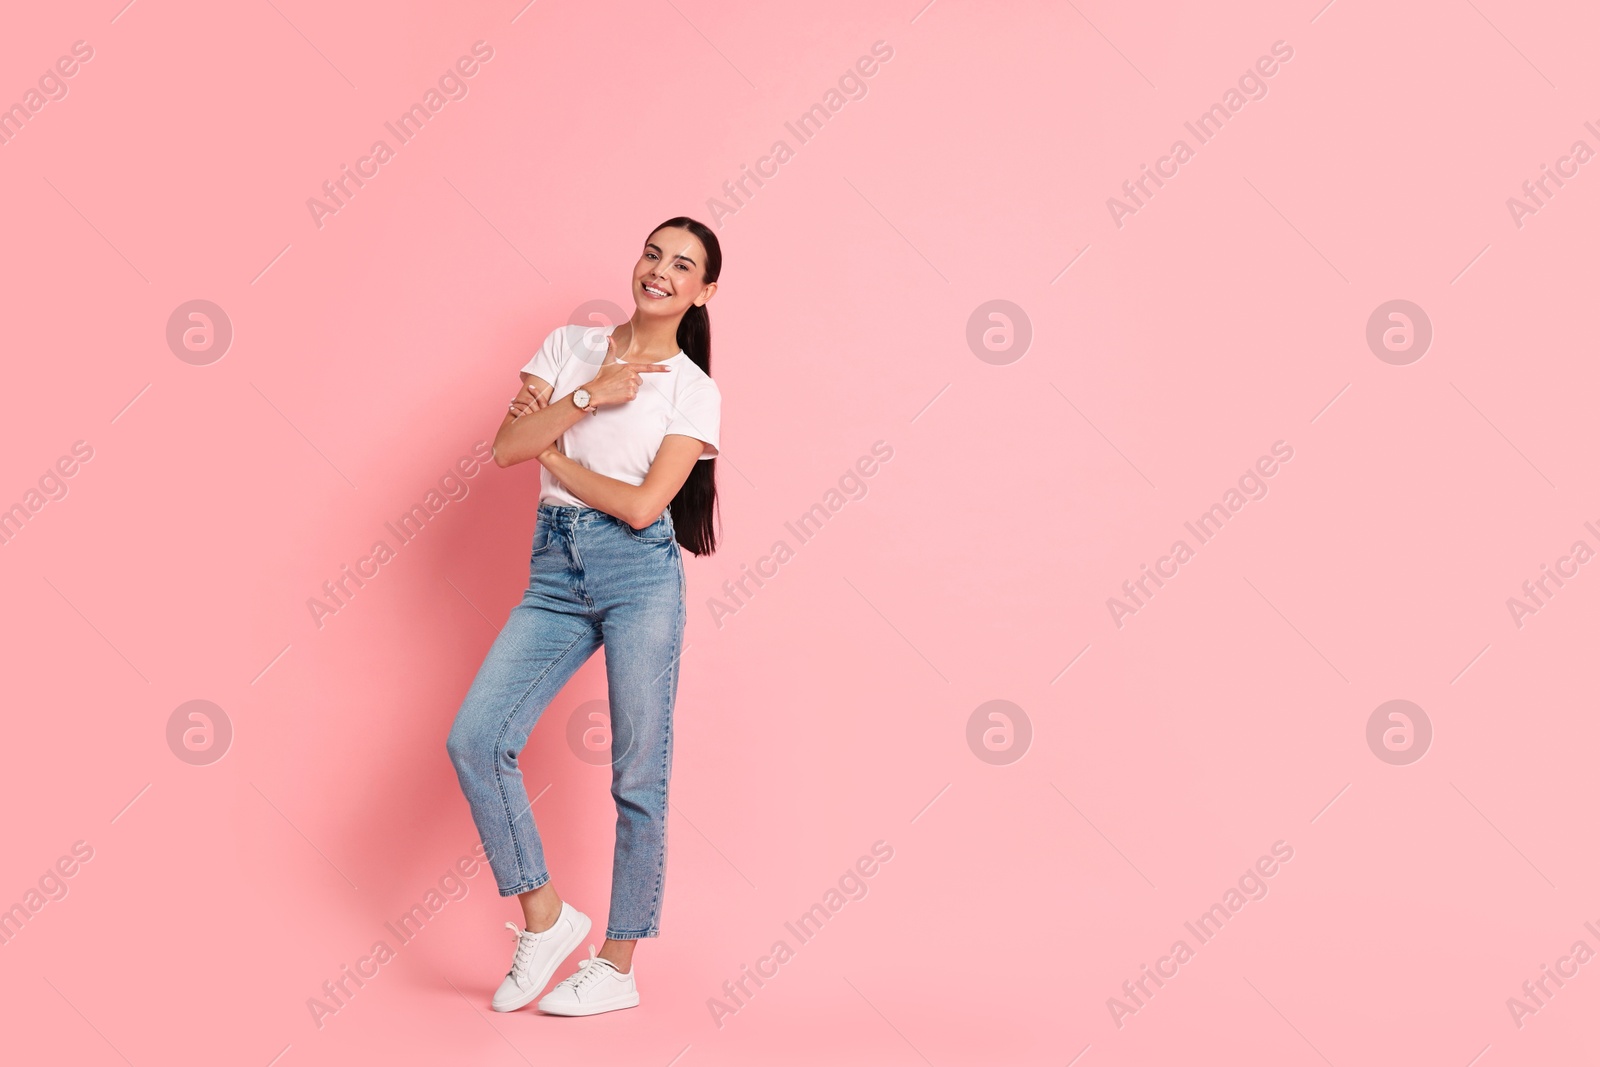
621 440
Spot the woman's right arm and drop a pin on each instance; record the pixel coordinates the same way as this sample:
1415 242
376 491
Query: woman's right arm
538 423
541 424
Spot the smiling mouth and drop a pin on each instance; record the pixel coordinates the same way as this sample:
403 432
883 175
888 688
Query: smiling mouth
659 294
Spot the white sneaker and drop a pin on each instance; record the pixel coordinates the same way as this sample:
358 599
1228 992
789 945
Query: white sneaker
537 957
596 986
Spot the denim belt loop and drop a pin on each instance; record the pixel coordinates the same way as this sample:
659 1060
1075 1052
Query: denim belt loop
564 515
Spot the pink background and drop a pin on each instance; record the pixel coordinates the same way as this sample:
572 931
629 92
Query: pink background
832 710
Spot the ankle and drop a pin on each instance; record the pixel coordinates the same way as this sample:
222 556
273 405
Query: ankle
620 957
538 924
537 918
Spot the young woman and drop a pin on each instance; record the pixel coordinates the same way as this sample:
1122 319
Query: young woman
624 422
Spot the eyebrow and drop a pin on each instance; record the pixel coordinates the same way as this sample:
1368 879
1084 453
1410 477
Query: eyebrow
686 259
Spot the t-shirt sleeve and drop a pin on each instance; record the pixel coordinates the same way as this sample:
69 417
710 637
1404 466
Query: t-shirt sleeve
552 354
699 415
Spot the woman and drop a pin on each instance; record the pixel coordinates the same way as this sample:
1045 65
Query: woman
620 429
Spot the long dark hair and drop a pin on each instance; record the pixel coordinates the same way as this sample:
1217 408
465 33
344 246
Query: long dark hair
696 503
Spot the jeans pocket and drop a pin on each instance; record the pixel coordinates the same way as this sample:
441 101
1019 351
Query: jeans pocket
542 540
659 532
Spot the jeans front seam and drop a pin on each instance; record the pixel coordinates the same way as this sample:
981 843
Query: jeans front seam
577 566
666 775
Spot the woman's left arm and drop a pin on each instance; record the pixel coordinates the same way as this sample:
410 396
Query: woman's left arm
636 505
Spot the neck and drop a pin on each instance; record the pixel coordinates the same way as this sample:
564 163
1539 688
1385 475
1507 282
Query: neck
652 340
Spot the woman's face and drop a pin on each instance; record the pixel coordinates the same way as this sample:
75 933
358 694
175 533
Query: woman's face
668 277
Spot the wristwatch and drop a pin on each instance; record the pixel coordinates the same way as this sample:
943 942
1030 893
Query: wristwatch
580 400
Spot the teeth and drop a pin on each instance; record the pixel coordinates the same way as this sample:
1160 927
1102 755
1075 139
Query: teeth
658 292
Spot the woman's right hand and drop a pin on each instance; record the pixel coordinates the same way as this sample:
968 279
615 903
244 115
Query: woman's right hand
618 382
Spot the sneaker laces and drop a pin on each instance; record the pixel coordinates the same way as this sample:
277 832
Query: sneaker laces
527 940
589 970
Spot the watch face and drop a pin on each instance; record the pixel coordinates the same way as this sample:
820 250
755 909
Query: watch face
581 397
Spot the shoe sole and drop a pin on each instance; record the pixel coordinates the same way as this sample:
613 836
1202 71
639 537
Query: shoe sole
629 1001
581 931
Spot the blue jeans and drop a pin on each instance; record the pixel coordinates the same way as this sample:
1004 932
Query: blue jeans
595 580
